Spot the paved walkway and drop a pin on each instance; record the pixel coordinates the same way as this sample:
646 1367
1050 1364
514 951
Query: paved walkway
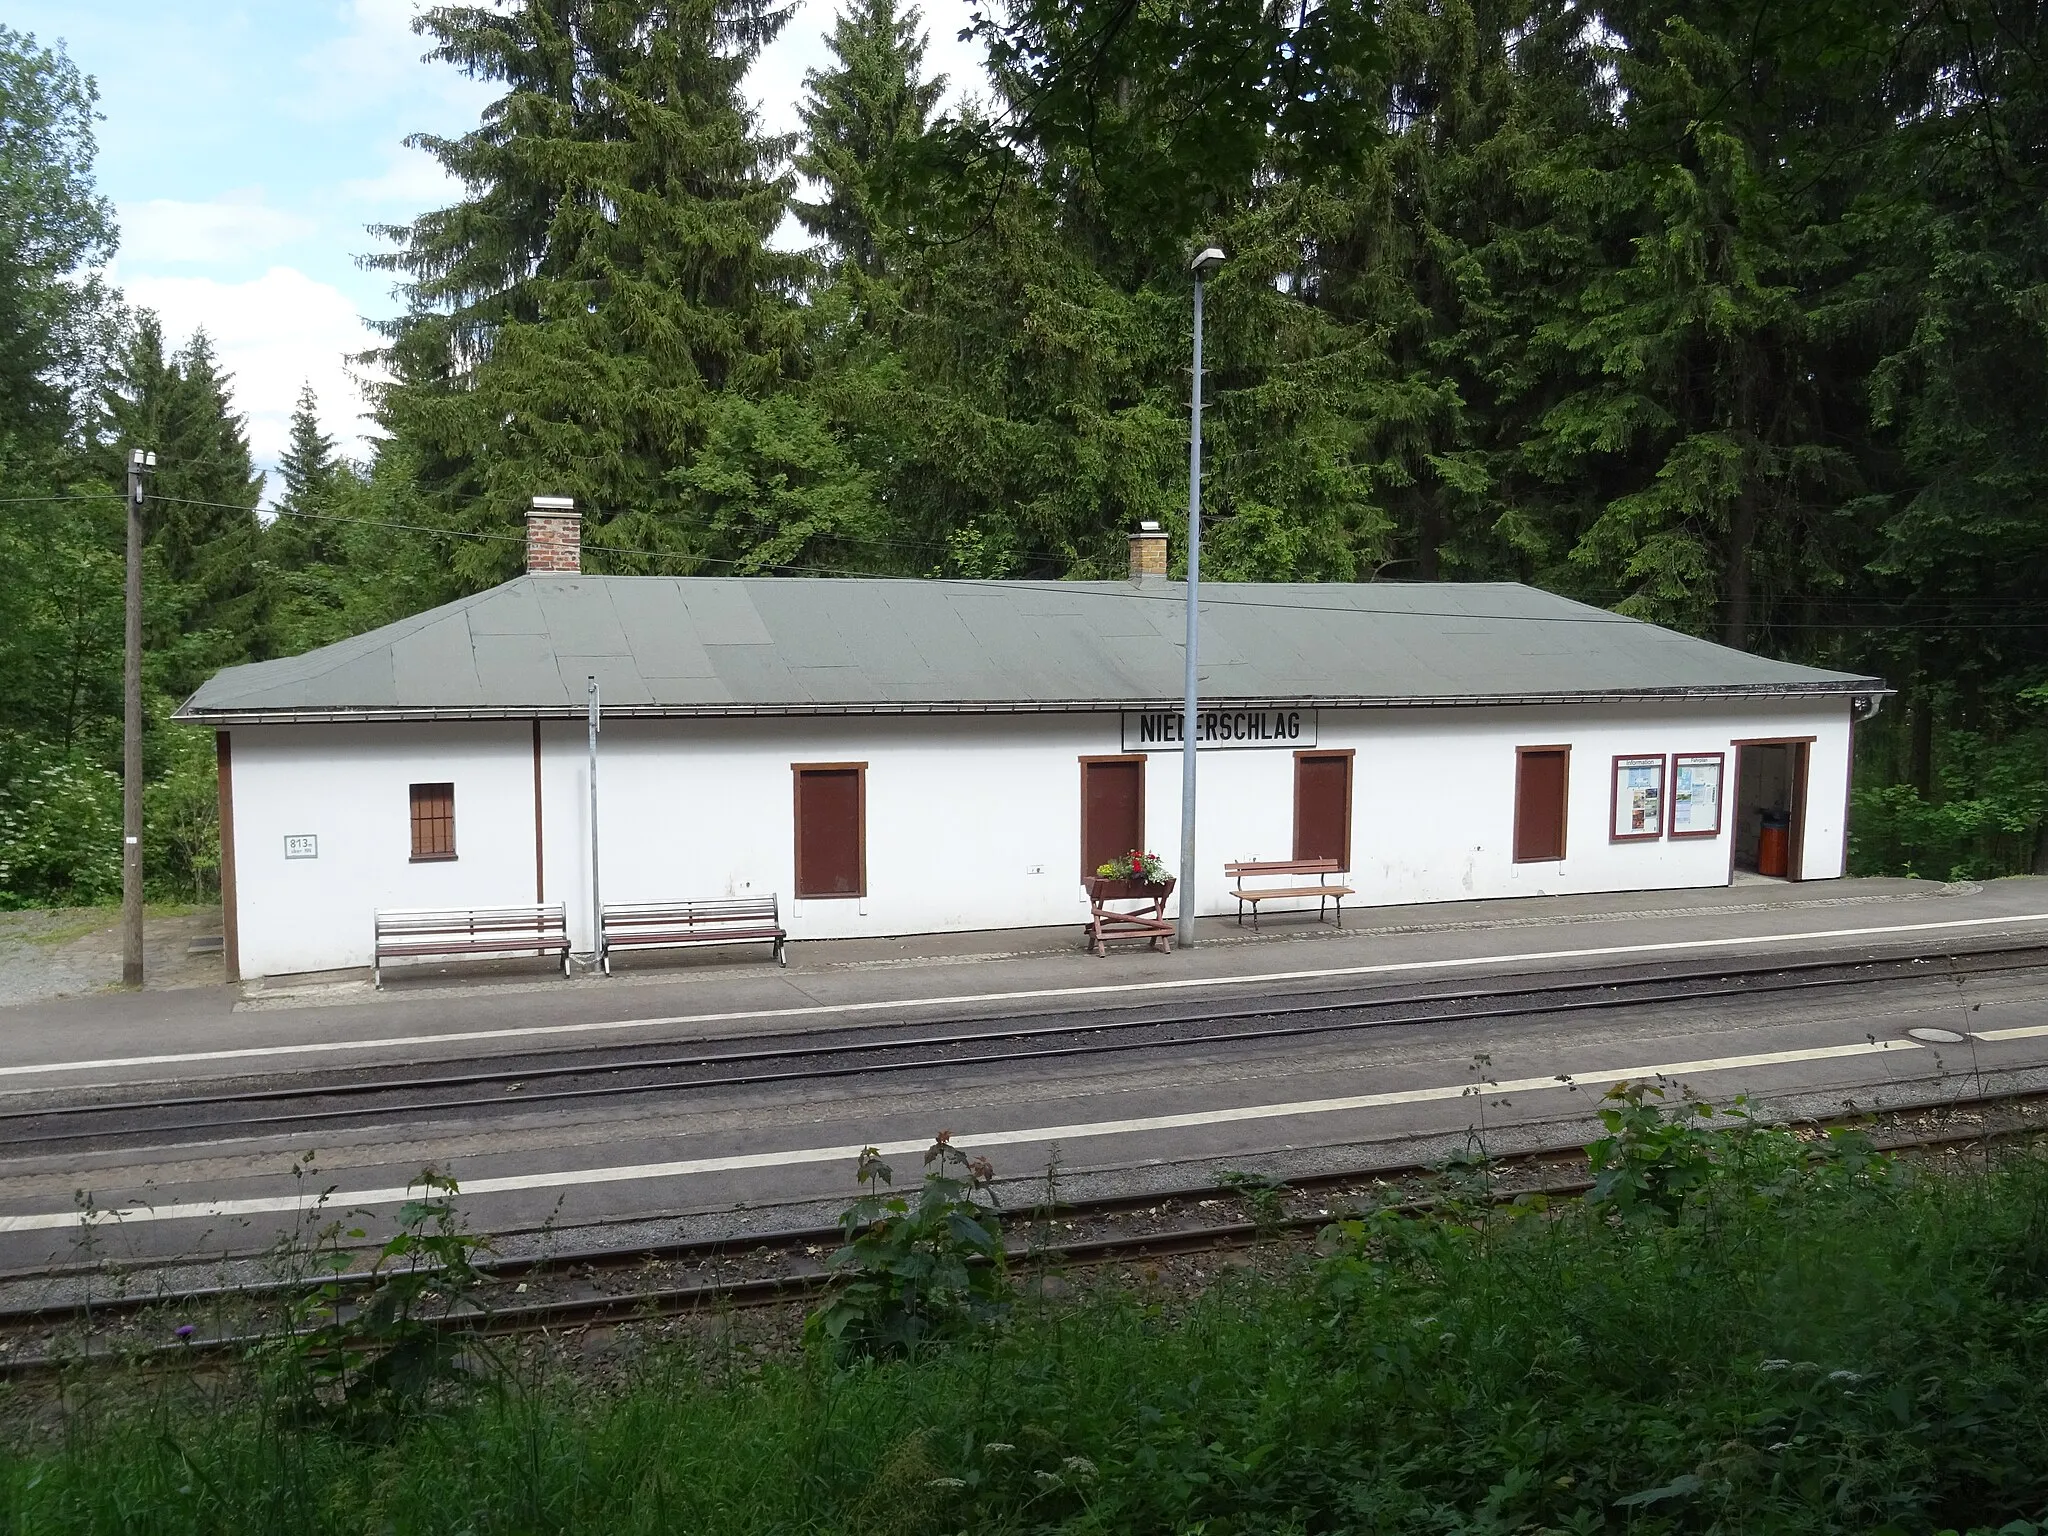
445 1012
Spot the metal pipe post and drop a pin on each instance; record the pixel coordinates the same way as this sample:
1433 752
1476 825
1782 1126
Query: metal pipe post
1184 927
596 902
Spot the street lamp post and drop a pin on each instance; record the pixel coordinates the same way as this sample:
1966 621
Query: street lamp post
1201 267
141 462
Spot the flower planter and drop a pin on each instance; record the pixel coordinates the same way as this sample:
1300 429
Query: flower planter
1101 890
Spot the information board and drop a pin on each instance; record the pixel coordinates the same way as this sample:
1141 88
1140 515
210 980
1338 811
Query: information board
1638 798
1696 794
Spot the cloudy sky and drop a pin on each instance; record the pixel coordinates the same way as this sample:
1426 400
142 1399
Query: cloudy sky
247 145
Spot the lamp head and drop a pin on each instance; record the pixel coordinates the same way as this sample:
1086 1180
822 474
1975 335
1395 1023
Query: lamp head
1206 263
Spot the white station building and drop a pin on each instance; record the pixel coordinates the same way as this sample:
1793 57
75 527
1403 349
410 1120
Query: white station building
896 757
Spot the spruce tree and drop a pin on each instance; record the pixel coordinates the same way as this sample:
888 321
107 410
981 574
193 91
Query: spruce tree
859 118
308 465
299 535
572 324
201 524
1705 347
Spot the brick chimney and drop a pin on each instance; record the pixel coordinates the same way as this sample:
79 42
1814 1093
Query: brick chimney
554 537
1148 552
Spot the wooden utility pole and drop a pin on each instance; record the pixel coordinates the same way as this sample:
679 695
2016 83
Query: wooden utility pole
140 463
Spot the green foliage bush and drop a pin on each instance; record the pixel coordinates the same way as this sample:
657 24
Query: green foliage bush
181 817
1986 812
920 1271
60 832
60 824
1894 830
1801 1339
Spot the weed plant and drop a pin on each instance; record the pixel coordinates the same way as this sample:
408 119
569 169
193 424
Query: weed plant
915 1271
1744 1333
366 1361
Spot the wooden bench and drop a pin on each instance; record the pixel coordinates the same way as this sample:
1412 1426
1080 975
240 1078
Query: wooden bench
672 924
1324 890
1106 925
541 929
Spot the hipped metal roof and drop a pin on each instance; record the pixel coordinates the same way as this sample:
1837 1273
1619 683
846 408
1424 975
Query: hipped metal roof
662 645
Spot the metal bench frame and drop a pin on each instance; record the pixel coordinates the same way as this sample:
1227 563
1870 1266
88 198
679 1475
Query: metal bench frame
675 924
539 928
1324 891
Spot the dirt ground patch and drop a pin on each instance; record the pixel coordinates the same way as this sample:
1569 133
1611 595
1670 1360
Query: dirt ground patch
64 951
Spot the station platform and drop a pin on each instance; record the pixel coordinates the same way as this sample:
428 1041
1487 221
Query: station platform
760 1138
445 1012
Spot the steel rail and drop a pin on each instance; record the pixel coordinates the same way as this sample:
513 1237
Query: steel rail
1646 992
705 1249
665 1301
1015 1027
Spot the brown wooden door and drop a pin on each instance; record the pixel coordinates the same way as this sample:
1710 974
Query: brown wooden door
831 852
1322 806
1112 809
1541 780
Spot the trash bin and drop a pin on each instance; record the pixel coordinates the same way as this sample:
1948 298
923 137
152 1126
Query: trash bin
1774 845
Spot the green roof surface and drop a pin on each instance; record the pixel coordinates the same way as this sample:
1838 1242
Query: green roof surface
662 645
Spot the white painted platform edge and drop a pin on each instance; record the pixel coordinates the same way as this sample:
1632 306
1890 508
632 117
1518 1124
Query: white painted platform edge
685 1167
1106 989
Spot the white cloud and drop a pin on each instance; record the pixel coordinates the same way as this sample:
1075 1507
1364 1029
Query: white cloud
777 78
230 228
378 58
273 333
411 180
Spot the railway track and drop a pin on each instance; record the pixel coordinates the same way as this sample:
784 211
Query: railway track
1178 1224
48 1121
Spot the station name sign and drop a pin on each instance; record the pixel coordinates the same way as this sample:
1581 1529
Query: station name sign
1159 730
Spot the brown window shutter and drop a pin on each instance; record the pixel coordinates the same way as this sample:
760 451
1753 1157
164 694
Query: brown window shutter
831 841
1112 809
433 821
1322 806
1541 786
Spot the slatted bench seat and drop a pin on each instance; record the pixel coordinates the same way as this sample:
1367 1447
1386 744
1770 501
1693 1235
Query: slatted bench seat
540 929
1327 887
672 924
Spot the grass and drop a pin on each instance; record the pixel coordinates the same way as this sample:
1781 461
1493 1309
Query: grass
1797 1345
64 924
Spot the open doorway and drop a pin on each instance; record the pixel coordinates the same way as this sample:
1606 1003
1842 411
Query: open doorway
1770 809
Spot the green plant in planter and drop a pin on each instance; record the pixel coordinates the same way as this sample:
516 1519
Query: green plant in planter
1137 866
919 1269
